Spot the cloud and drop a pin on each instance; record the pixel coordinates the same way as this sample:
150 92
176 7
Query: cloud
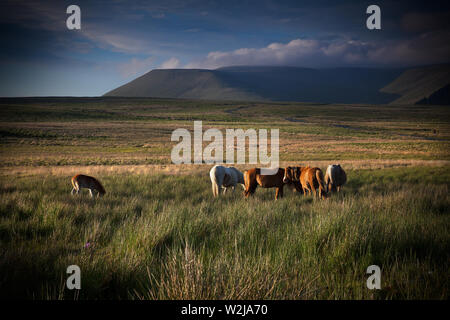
426 48
136 67
172 63
128 41
160 15
115 41
425 22
33 14
296 52
193 30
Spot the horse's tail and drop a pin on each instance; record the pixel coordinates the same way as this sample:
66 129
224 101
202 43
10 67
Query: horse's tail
320 181
214 182
74 182
215 189
250 181
246 183
343 177
330 178
327 180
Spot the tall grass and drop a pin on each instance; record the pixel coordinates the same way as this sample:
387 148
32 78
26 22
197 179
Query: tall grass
165 237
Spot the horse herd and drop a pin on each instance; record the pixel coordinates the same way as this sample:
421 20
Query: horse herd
304 180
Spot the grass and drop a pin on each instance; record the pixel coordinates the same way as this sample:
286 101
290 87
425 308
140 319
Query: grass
157 236
117 131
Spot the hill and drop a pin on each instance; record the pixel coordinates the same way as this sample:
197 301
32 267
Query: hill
183 83
421 85
332 85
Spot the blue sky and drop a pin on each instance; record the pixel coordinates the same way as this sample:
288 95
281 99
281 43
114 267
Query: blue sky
121 40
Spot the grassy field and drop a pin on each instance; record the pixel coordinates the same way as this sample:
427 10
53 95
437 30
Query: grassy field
159 234
48 132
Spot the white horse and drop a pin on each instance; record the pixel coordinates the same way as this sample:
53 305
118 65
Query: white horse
335 177
225 177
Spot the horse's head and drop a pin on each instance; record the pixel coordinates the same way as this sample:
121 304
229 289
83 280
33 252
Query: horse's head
291 174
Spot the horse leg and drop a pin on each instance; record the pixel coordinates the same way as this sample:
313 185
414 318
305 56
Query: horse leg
255 185
279 193
304 191
90 192
224 190
73 191
251 189
247 190
313 189
318 190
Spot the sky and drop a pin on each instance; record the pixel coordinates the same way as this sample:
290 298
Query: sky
122 40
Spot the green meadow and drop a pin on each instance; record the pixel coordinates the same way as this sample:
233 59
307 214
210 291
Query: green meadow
159 234
164 237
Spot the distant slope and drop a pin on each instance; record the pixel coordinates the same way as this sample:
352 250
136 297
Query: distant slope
442 97
333 85
182 83
418 84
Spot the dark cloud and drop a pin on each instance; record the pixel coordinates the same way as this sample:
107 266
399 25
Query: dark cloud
131 37
427 48
426 22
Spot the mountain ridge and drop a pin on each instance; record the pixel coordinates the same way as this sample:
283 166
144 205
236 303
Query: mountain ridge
283 83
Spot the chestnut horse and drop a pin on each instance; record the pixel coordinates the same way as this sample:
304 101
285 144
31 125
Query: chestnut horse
310 179
81 181
253 178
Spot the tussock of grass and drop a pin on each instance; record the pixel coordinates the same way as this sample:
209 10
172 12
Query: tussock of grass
165 237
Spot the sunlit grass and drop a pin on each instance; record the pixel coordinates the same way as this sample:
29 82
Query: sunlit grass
157 236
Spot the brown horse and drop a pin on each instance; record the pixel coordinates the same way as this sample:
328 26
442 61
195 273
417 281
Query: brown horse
253 178
310 179
81 181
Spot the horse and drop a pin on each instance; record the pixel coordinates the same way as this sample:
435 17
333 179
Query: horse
225 177
310 179
80 181
335 177
253 178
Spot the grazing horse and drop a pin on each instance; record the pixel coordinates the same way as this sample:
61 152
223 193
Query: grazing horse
225 177
81 181
253 178
335 177
310 179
